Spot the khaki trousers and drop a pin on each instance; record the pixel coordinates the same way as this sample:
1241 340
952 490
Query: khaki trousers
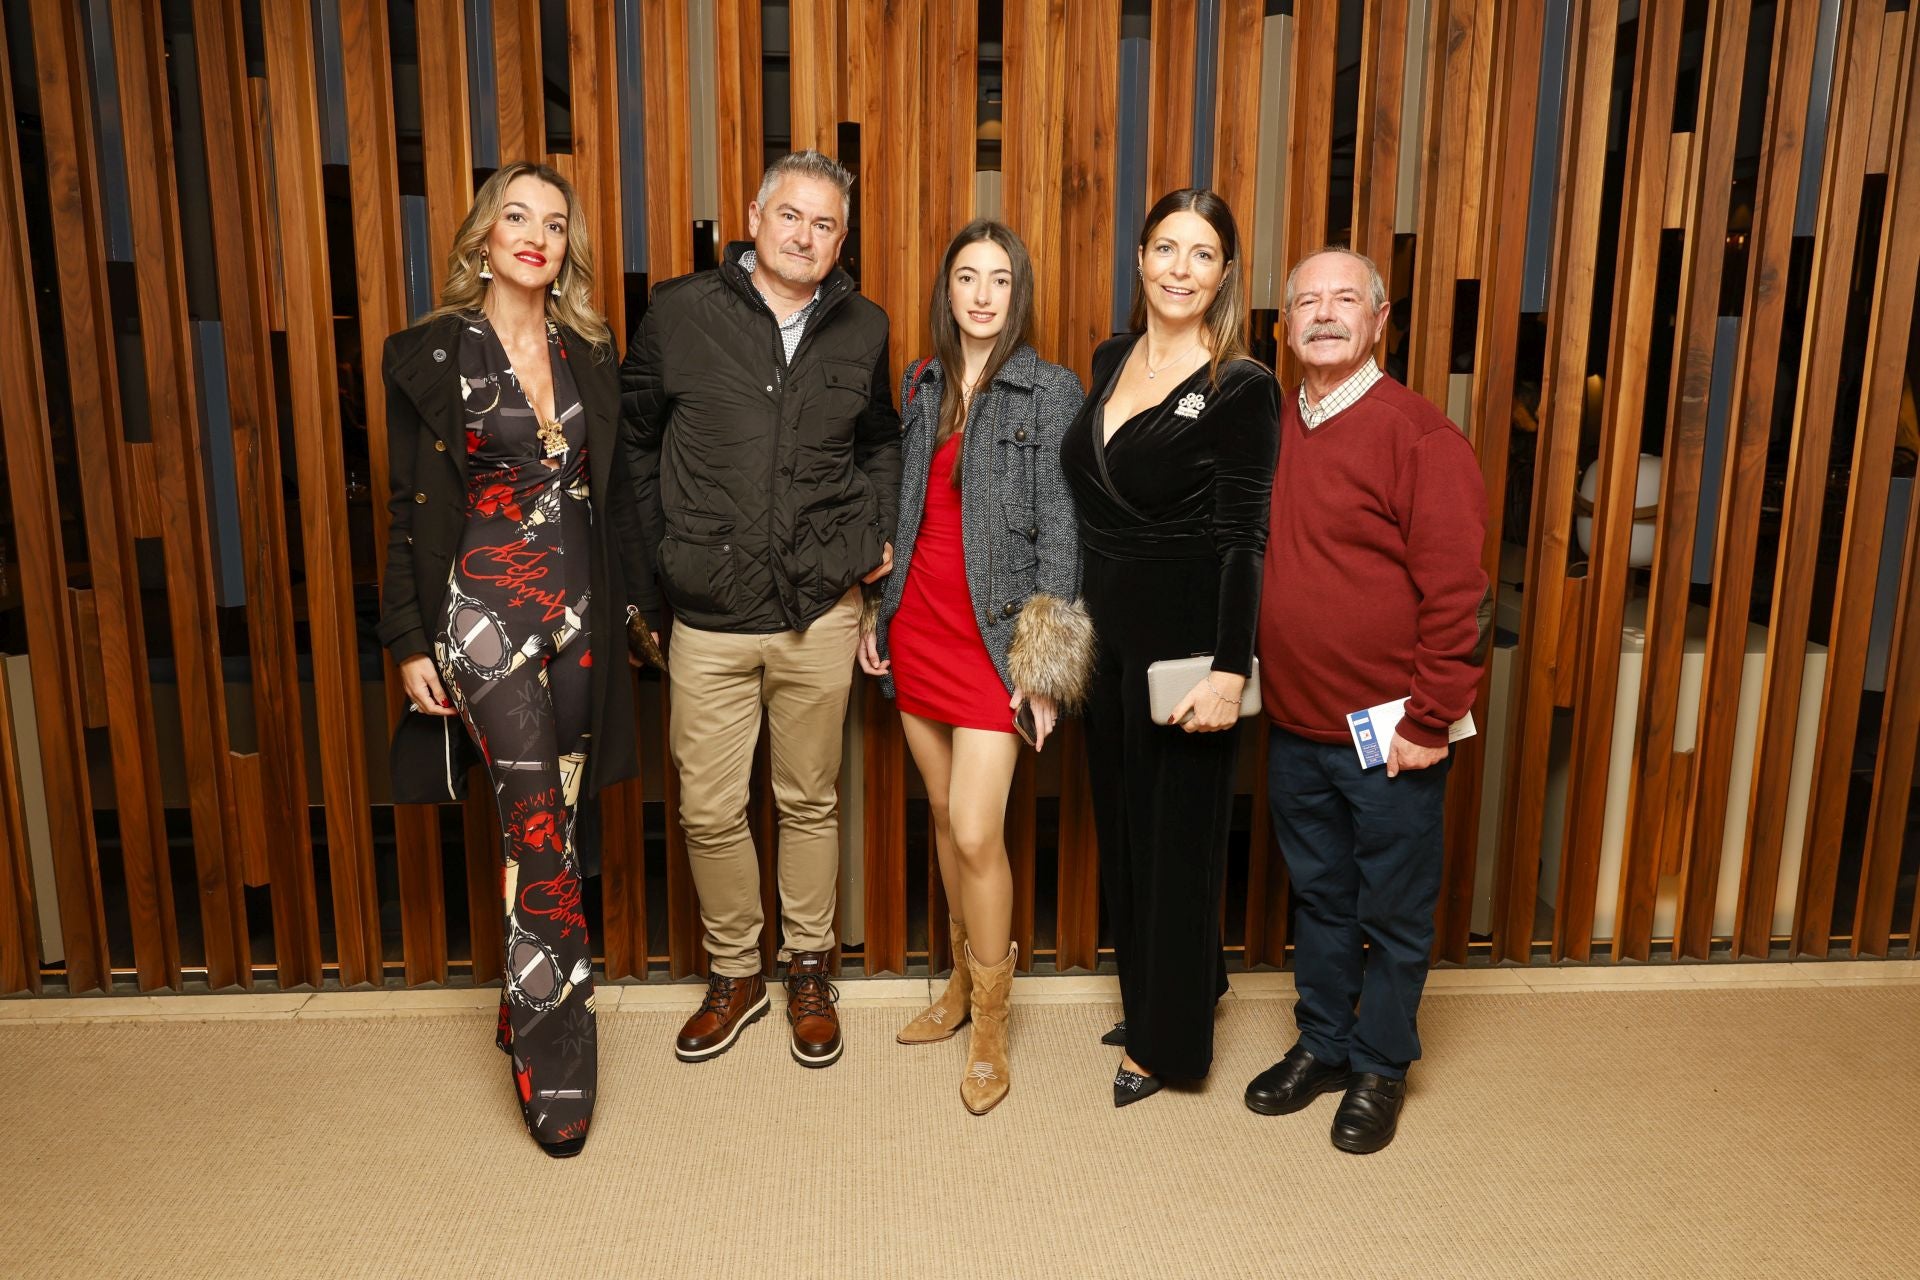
720 682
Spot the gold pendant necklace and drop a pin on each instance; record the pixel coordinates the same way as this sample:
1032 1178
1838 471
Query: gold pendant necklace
553 438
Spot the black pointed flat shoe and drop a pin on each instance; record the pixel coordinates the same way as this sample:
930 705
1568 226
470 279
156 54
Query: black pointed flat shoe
565 1147
1130 1086
1118 1036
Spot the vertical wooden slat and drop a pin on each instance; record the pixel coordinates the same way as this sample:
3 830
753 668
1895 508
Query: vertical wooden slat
737 88
1592 27
445 133
232 151
1643 211
1749 431
1316 48
378 258
685 954
1376 166
1450 50
1709 180
173 412
1893 776
1172 43
19 924
1892 286
1237 124
669 164
592 57
1836 235
1514 98
300 197
73 194
521 77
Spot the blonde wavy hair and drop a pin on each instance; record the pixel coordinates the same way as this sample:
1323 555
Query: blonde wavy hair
465 292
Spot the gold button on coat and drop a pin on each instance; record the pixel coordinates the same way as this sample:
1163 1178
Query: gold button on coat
419 497
440 446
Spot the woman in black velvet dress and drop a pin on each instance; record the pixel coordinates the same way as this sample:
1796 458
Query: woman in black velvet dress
1171 465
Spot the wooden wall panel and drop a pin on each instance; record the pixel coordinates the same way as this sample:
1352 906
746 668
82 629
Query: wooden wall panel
520 75
1891 280
904 73
1756 372
42 559
1835 238
228 127
19 923
1593 25
1709 186
74 199
378 258
173 413
300 198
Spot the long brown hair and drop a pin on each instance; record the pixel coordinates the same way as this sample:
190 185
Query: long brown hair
464 292
1225 323
946 330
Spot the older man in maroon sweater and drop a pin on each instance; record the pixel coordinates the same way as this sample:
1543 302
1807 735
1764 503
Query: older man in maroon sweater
1372 592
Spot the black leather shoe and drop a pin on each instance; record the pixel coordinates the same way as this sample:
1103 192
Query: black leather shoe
1118 1036
1130 1086
564 1148
1293 1082
1368 1114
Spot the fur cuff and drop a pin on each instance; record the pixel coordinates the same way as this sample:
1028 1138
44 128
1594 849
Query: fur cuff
1052 652
871 599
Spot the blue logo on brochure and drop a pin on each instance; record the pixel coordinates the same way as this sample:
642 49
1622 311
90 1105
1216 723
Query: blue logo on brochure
1361 723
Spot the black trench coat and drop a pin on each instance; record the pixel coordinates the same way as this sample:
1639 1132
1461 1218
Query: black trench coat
427 454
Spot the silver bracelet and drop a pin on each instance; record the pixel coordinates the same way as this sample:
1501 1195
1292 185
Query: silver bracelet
1216 693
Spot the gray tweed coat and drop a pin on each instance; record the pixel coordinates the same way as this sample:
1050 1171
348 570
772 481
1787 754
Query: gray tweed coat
1018 525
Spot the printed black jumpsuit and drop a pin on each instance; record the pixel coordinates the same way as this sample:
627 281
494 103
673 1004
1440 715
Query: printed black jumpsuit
517 600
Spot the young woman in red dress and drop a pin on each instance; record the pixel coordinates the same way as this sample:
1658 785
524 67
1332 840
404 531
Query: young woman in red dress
980 616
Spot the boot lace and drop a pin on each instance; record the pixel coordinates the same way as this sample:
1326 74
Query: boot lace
813 996
719 993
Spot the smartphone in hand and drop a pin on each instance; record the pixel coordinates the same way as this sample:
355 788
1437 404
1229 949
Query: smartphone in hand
1024 726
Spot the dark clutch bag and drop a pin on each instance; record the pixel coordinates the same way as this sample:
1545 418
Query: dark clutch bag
640 641
430 758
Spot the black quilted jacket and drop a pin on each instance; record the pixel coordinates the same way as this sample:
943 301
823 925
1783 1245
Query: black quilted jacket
765 489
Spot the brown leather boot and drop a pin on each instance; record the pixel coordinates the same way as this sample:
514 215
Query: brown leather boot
941 1019
810 997
732 1005
988 1076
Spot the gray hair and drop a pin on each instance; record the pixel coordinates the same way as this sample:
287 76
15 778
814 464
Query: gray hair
1375 285
808 164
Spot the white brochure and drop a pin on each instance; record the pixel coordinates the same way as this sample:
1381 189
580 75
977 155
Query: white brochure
1373 728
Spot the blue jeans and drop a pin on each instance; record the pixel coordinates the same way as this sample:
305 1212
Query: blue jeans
1364 854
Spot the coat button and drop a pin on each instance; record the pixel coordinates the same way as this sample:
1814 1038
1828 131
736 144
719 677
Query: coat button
1033 533
1007 609
439 355
419 497
440 446
1020 434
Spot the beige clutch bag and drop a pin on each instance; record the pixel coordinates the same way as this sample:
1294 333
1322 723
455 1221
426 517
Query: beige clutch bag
1172 679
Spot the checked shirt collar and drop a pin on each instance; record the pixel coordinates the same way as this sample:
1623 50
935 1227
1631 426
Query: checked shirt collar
794 325
1341 397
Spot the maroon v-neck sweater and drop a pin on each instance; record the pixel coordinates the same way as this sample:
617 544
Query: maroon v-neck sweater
1373 581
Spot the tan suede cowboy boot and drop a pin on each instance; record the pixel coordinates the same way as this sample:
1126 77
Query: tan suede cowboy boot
941 1019
988 1077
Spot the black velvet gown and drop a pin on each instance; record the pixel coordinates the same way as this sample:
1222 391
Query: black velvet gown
1173 524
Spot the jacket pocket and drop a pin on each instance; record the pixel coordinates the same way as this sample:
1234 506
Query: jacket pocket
1020 544
697 562
847 387
846 541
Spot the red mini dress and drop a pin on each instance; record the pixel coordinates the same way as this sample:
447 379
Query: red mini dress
940 666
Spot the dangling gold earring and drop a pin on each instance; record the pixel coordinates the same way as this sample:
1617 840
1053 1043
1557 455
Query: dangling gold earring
486 268
554 288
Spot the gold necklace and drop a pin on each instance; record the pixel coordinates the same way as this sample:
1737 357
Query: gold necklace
553 436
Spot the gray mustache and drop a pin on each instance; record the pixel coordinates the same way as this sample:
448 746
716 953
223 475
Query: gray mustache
1330 329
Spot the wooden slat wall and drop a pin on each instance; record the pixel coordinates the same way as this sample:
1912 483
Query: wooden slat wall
904 73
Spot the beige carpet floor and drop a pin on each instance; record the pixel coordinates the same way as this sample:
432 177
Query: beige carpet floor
1720 1132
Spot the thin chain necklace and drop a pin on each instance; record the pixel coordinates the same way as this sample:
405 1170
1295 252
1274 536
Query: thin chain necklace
1147 360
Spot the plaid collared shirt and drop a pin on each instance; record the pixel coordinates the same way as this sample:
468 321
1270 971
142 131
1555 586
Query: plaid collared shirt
794 325
1341 397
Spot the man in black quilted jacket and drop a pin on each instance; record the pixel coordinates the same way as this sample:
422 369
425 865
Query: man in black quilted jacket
765 449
